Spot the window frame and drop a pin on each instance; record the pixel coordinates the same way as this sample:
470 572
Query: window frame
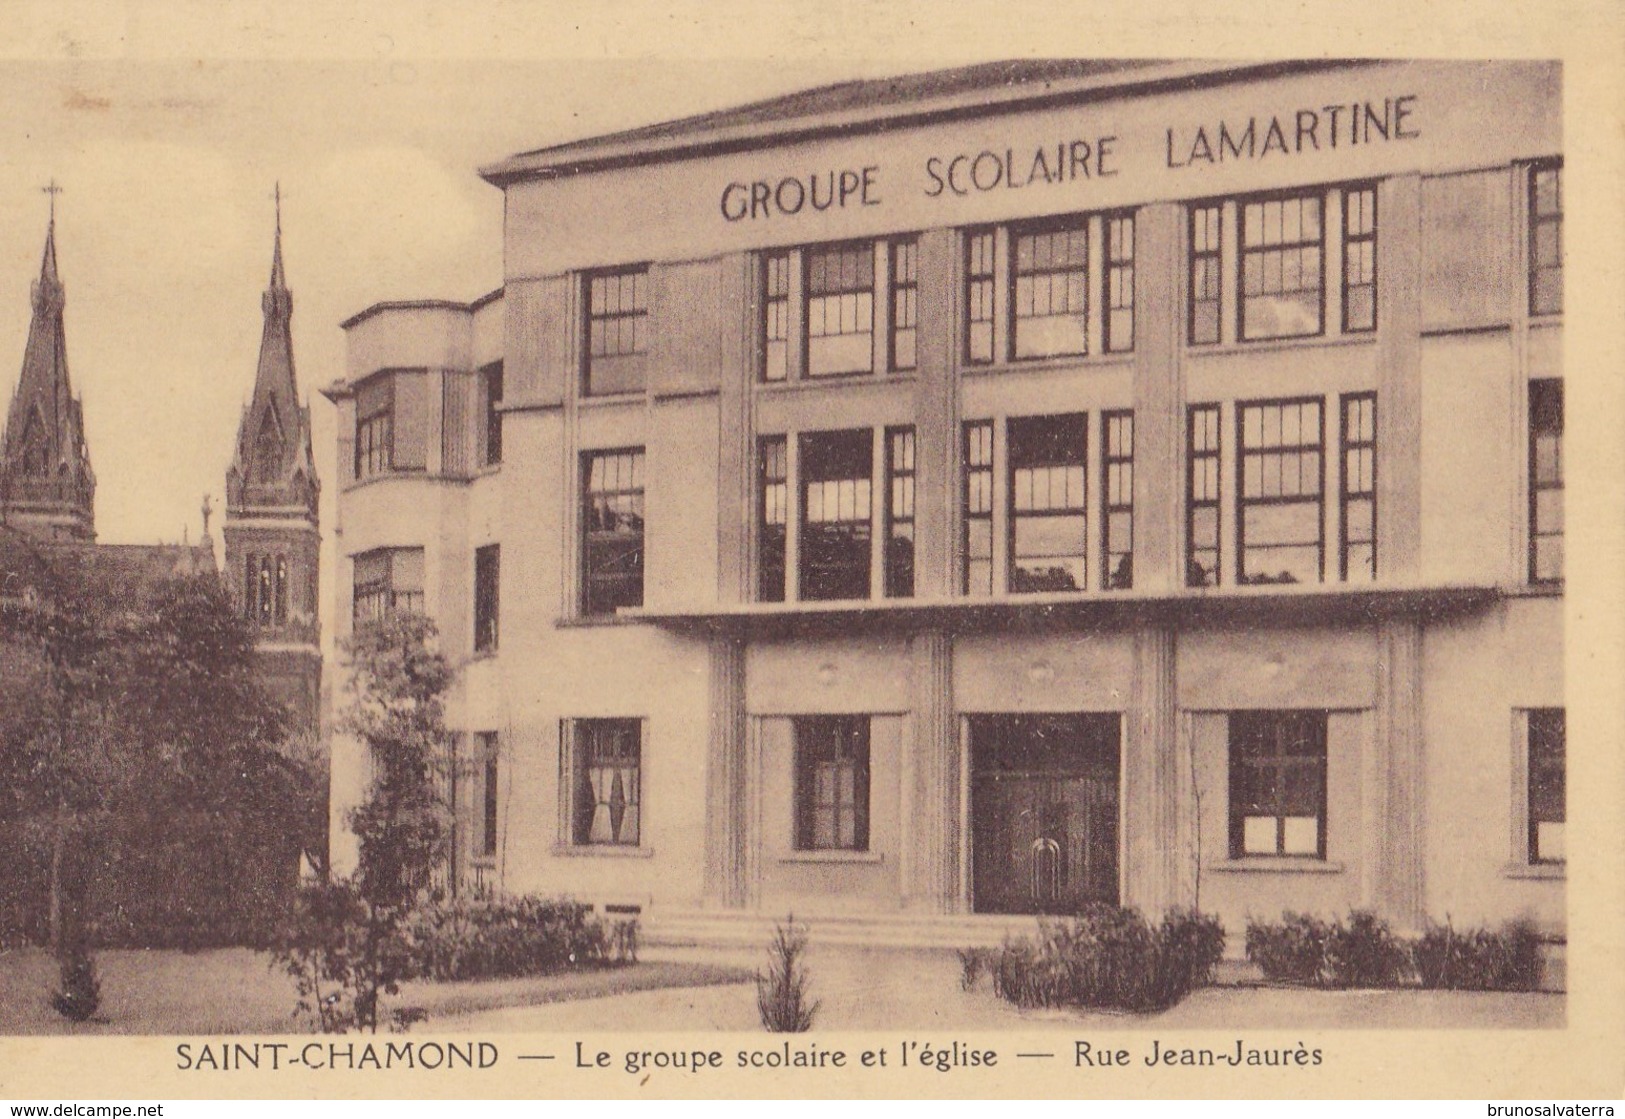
590 536
1243 502
1280 726
1350 239
393 600
1014 515
777 316
1536 219
1071 224
265 589
1318 195
1194 257
1552 387
981 287
1110 464
582 800
1346 494
772 536
1117 278
374 447
487 751
487 597
809 734
491 384
976 480
902 300
1200 456
862 249
901 467
862 526
637 316
1545 766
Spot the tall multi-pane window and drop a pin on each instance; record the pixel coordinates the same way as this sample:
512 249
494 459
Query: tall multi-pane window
1280 535
1051 281
1547 784
487 587
612 531
980 284
905 310
1545 238
1119 283
899 512
773 516
489 796
1359 259
837 468
775 316
606 782
1281 267
1117 478
1047 503
832 783
1358 551
492 375
374 427
617 327
1202 496
1545 481
840 309
1205 277
978 543
388 581
265 590
1278 783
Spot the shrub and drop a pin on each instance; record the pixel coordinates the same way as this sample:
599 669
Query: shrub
781 993
972 963
1365 953
1110 957
80 993
1291 951
1479 959
495 938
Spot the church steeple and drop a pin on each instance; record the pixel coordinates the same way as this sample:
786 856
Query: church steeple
46 484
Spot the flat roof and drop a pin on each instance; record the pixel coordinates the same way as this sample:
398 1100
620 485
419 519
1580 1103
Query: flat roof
419 305
876 105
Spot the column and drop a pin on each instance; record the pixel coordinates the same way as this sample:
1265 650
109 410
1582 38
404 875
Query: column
1399 379
1158 810
1397 845
725 776
936 418
931 825
1159 407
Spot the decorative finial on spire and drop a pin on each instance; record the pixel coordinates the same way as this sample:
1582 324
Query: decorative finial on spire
208 510
51 188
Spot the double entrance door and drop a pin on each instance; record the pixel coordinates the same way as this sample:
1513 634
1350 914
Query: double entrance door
1044 807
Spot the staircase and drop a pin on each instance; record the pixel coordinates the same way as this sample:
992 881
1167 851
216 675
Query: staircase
717 928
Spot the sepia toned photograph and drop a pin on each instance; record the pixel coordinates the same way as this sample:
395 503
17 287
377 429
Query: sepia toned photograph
1066 546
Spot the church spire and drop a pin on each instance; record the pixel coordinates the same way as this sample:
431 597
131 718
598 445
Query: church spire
48 484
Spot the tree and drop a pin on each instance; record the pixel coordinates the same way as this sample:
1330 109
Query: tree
348 940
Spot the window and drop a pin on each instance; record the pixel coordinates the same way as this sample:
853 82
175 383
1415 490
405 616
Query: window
606 782
265 590
1047 456
267 465
772 517
775 316
1546 785
485 758
1119 283
1280 534
1545 481
899 512
1202 496
487 587
1117 474
980 280
1205 249
617 330
1281 267
832 783
492 375
840 309
1546 239
1358 550
1359 259
836 468
1278 783
905 310
1050 308
978 549
388 581
392 423
612 529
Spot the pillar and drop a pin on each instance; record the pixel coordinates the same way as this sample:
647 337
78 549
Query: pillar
725 776
932 826
1396 846
1157 812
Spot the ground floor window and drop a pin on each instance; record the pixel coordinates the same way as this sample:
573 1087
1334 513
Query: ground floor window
832 783
1278 783
605 767
1547 785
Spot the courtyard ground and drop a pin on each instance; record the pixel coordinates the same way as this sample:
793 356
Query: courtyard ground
237 991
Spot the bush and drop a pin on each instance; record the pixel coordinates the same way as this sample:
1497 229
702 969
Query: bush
1110 957
1479 959
80 993
1292 951
497 938
1365 953
781 993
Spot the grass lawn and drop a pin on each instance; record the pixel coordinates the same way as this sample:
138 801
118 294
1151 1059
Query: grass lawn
235 991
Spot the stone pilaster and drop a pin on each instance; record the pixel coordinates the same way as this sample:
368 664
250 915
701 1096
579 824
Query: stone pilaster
726 776
932 826
1155 864
1396 842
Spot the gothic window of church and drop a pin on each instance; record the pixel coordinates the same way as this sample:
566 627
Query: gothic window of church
265 590
268 449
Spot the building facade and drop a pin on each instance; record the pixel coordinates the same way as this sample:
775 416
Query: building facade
991 491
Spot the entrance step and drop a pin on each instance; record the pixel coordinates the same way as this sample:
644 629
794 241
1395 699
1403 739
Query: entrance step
713 928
